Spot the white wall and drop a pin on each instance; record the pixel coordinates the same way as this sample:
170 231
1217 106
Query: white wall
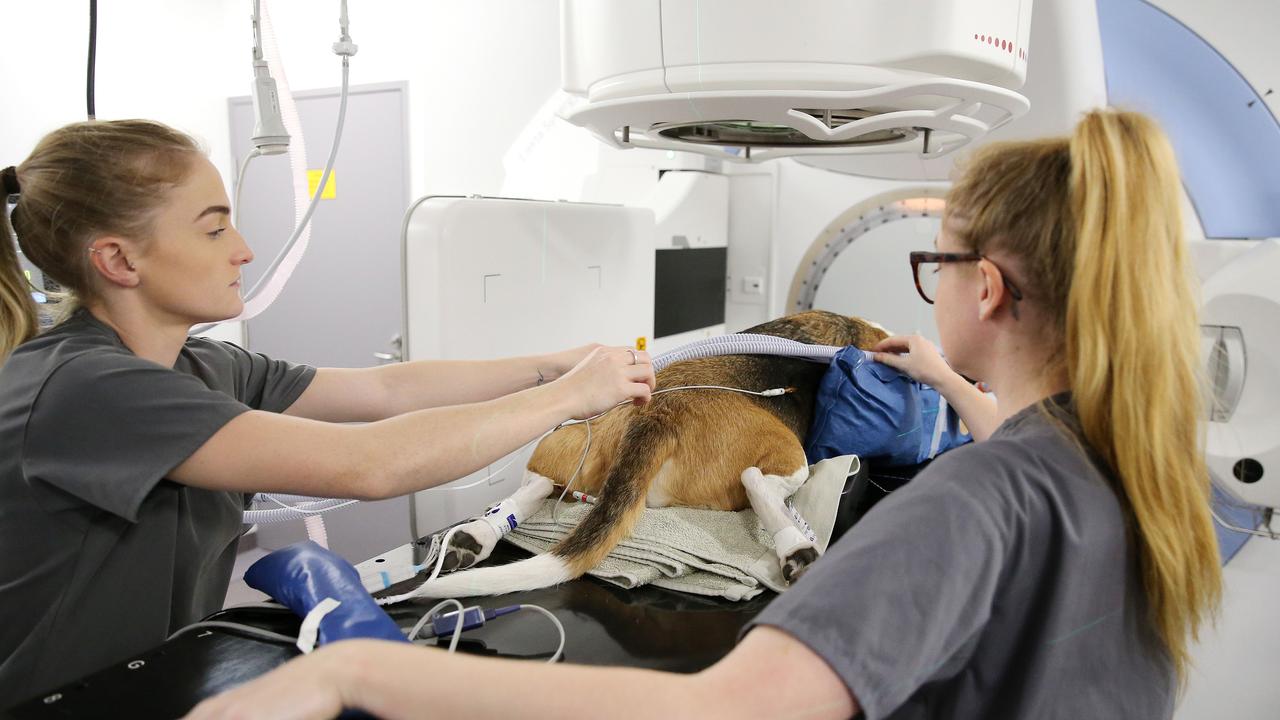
162 60
808 199
477 71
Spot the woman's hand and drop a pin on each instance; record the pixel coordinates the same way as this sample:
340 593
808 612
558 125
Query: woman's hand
560 363
605 377
915 356
919 359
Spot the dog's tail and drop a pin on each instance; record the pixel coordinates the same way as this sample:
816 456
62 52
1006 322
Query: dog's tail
648 442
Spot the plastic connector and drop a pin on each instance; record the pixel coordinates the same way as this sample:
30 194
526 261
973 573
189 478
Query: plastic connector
472 618
269 134
345 48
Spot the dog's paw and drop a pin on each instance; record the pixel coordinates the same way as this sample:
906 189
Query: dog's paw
797 562
464 551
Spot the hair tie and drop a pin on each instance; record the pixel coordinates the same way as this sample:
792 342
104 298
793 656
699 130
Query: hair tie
9 178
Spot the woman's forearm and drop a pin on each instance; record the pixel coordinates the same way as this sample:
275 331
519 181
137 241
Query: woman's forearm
769 674
393 680
976 409
425 448
437 383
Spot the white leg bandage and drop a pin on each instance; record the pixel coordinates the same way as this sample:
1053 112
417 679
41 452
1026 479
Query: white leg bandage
500 519
768 495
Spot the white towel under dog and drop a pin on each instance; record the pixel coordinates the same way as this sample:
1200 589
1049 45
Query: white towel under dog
705 552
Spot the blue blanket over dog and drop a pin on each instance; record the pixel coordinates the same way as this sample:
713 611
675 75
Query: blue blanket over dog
871 410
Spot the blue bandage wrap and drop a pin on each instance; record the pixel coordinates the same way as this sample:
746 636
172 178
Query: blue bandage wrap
302 575
871 410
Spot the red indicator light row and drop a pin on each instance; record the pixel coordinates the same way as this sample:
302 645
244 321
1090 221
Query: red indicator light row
1005 45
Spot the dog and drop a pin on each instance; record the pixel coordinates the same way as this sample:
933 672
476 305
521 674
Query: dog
703 448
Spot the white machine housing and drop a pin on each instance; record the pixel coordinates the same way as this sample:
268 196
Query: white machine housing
489 278
1239 320
815 77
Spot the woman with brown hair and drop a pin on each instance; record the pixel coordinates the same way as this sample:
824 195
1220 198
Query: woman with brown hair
1057 569
128 450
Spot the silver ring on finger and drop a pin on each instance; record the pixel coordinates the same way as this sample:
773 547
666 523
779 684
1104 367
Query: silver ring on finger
633 355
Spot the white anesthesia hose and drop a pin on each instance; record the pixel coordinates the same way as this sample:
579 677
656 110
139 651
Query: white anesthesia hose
748 344
316 531
293 512
736 344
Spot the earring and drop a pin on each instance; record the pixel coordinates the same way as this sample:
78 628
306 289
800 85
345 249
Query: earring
126 262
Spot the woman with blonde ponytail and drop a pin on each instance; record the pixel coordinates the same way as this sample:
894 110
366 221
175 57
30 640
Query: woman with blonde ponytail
1132 355
1056 569
128 449
18 320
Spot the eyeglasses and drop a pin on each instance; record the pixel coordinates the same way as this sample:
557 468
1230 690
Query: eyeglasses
925 267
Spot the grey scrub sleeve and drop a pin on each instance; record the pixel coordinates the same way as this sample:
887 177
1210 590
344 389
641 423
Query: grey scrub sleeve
106 433
997 584
103 556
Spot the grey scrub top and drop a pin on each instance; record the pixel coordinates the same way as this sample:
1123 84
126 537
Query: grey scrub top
101 557
999 583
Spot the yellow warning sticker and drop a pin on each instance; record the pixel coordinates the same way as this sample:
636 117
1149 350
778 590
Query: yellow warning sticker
641 343
313 181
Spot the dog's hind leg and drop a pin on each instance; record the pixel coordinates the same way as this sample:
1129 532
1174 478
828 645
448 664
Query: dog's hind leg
476 540
768 494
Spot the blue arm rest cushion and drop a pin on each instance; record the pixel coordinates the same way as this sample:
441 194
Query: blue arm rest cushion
302 575
871 410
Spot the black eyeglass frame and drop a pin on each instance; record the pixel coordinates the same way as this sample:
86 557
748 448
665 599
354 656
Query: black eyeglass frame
921 257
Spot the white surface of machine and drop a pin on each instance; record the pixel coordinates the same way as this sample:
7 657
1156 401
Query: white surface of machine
488 278
815 77
1241 324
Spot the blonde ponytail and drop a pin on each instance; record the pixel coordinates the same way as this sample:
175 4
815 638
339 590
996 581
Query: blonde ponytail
18 320
1094 224
1132 352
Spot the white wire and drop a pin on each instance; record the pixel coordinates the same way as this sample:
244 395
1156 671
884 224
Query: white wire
315 199
412 635
514 454
555 520
244 166
311 208
444 543
771 392
559 627
444 550
457 629
247 629
268 604
310 503
328 504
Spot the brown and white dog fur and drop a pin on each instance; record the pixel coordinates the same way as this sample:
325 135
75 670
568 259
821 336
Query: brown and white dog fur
695 448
